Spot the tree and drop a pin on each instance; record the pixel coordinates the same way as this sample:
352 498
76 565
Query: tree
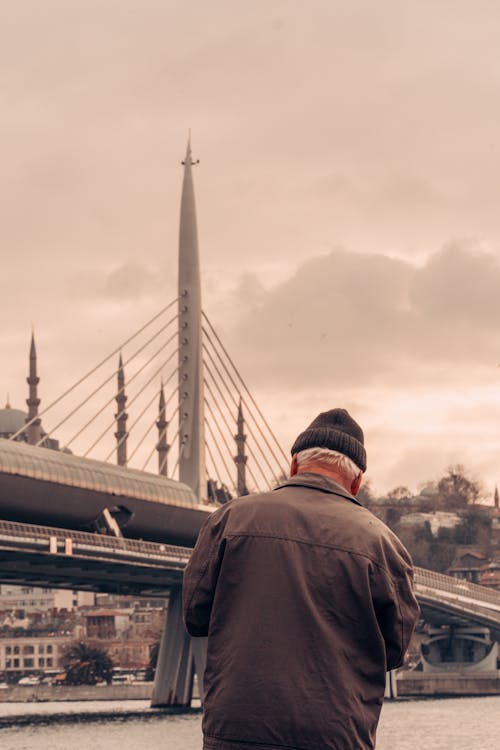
474 526
428 551
456 490
86 665
399 494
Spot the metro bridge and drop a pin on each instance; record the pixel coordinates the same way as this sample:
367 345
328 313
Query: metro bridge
53 557
72 521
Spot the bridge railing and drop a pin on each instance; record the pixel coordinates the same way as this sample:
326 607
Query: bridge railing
456 587
57 540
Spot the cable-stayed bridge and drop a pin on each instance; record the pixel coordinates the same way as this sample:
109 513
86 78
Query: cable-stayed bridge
169 395
139 381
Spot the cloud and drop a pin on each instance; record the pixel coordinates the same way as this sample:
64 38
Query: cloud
354 319
128 282
459 286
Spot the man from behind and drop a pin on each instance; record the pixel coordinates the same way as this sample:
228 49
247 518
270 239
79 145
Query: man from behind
307 600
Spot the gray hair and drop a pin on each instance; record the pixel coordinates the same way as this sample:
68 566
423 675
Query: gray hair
343 464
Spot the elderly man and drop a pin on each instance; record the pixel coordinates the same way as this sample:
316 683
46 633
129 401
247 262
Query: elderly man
306 599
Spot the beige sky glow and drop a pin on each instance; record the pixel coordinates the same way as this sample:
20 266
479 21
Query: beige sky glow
347 204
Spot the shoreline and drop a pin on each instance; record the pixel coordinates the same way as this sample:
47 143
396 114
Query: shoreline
409 685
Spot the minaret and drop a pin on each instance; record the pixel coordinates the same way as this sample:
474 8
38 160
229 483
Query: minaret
241 459
34 430
162 445
191 425
121 433
495 498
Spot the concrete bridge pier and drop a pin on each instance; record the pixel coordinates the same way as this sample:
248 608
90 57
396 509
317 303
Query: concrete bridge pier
391 685
180 657
459 649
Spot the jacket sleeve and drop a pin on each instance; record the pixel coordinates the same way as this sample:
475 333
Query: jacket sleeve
395 604
201 574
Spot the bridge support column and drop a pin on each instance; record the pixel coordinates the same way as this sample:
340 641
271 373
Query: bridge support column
178 658
391 684
174 669
199 646
459 649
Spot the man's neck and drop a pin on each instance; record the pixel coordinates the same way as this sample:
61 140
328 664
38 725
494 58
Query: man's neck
316 468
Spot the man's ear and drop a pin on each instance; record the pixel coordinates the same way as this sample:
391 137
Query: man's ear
293 467
356 484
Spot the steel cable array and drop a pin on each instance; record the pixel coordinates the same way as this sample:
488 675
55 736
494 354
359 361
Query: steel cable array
94 369
134 386
225 393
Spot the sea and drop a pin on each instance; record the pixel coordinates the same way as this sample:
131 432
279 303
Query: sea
430 724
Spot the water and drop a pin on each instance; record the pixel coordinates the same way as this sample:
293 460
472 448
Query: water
447 724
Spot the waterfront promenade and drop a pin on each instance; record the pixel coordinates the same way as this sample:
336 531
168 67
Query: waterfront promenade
410 684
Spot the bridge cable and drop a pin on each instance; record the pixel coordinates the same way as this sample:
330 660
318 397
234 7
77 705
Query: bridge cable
248 423
207 404
181 448
249 446
106 381
94 369
162 465
252 455
249 411
218 476
216 443
113 398
246 387
244 402
137 419
163 433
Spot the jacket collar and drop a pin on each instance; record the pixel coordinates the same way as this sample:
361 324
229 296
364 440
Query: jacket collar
318 482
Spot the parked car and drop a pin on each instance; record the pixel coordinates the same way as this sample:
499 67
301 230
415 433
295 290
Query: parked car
32 680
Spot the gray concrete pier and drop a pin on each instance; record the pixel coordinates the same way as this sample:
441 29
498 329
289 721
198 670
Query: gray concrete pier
414 684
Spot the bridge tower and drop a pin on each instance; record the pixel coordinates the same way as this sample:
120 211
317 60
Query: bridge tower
121 433
162 425
191 423
34 429
180 656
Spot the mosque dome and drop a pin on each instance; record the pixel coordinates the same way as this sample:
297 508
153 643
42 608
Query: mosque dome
11 420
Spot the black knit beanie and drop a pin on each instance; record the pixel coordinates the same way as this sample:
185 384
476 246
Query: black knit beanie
336 430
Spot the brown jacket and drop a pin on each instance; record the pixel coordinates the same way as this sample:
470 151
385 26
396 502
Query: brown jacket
306 598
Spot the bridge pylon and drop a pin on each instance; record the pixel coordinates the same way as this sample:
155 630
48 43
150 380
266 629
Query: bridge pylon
178 656
192 469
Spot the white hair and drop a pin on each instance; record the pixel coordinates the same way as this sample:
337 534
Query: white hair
343 464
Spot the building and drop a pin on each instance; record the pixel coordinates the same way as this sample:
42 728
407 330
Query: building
438 519
32 654
106 624
30 599
470 562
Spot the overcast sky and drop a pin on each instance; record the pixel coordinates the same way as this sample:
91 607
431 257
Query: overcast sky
347 203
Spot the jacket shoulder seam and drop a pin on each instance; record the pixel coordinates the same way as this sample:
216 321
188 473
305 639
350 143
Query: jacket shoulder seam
309 543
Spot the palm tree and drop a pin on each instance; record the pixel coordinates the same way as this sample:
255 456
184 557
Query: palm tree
86 665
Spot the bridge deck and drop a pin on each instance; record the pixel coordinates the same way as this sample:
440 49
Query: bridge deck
447 599
54 557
